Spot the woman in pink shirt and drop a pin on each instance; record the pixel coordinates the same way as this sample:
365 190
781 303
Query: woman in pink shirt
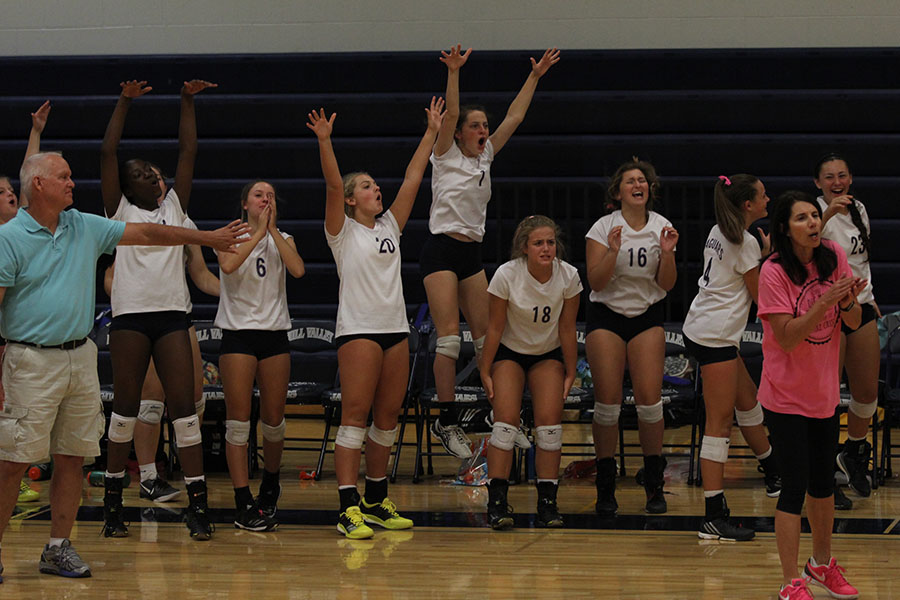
806 290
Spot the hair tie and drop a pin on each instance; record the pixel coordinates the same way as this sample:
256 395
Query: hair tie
725 179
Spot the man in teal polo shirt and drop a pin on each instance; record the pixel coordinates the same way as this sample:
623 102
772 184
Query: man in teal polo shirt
49 390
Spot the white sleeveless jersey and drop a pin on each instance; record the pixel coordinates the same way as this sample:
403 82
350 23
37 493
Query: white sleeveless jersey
533 308
718 314
370 297
841 230
460 191
149 278
632 289
254 295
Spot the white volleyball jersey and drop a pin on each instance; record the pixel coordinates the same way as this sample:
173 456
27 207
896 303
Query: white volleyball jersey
254 295
370 297
188 224
460 191
149 278
632 289
533 308
718 314
841 230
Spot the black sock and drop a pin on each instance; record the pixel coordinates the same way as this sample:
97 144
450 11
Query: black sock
376 491
270 480
715 506
547 491
497 490
242 497
449 414
349 497
768 464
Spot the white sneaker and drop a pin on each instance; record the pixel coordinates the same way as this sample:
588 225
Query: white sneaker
522 440
453 439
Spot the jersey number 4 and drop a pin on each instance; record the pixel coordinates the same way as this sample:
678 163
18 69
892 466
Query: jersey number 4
706 271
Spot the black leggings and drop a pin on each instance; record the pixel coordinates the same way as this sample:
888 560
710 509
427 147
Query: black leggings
804 451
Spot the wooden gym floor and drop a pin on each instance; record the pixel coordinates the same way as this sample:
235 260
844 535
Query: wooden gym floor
450 553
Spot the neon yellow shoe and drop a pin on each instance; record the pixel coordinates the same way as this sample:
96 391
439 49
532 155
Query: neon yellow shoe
352 524
384 514
26 494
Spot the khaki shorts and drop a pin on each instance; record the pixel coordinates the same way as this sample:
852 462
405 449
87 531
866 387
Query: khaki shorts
52 403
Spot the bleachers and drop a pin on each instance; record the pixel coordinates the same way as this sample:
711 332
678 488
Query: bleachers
694 113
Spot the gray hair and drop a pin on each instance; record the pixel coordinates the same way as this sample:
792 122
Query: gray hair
35 165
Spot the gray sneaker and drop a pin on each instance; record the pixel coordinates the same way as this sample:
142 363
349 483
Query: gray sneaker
63 561
453 439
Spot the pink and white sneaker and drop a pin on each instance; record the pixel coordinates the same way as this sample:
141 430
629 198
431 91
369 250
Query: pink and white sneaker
797 590
830 577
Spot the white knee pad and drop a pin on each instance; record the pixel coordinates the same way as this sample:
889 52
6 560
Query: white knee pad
503 436
187 431
200 407
479 346
121 429
863 411
650 414
749 418
448 345
606 414
273 434
383 437
151 412
715 449
548 437
350 437
237 433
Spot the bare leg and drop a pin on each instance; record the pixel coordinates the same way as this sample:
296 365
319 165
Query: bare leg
442 289
606 356
787 538
361 361
387 404
862 359
238 372
646 355
720 388
820 513
11 474
545 380
273 374
65 494
146 435
509 383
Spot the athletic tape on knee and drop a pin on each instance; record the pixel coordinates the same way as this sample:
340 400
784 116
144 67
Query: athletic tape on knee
273 434
448 345
749 418
863 411
479 346
383 437
187 431
350 437
503 436
548 437
714 448
121 429
606 414
650 414
237 433
200 407
151 412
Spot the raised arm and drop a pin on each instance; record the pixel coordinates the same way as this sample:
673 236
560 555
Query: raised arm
230 262
666 272
454 61
601 260
287 248
38 122
222 239
110 188
334 187
496 324
187 140
203 278
403 204
516 113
